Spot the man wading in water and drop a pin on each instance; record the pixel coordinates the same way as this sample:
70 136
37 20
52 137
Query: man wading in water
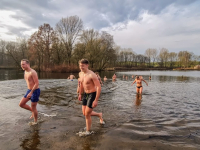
89 83
33 91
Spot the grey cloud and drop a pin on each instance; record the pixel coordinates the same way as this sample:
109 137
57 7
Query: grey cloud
117 11
30 11
120 11
17 31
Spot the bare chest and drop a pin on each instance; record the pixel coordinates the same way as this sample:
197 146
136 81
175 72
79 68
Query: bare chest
28 77
86 80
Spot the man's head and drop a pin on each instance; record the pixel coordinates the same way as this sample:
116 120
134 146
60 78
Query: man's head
25 64
83 64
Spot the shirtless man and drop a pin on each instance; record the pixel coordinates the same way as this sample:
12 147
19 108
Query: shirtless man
105 79
33 91
99 78
71 77
114 77
126 77
139 87
89 83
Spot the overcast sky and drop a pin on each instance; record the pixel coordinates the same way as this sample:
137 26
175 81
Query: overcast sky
136 24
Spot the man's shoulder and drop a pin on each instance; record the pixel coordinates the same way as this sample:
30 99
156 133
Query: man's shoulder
33 71
91 72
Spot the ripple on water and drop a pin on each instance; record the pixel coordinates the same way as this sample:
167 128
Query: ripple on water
165 116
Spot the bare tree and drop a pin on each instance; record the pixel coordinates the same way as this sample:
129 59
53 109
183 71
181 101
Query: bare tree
184 58
12 51
148 53
68 30
40 46
154 55
97 47
172 58
23 47
2 52
163 56
151 54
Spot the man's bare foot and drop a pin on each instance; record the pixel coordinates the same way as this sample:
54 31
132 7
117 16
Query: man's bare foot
31 116
32 123
101 119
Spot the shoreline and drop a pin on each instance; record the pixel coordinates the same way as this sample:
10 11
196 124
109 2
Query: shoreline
109 69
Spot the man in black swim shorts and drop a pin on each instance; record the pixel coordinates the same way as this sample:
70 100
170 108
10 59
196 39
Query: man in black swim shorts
89 83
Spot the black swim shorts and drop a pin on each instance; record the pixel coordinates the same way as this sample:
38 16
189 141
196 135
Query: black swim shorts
88 99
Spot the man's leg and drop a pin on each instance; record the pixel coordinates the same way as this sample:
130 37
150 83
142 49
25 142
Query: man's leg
88 119
83 109
23 104
34 111
99 115
93 113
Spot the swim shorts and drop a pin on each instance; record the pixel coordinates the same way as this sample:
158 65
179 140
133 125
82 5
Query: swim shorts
35 95
88 99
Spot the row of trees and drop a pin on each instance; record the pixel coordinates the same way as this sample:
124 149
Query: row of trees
68 42
64 45
155 58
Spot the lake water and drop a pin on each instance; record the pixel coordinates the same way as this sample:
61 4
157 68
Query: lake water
167 116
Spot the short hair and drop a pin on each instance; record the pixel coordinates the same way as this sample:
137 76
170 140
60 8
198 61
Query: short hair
26 60
84 61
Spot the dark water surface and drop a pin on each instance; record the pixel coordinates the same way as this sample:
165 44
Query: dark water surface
166 116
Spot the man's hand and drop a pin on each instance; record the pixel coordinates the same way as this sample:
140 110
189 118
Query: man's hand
79 97
29 95
94 104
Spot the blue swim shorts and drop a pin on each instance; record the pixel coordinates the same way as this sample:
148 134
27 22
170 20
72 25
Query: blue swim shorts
35 95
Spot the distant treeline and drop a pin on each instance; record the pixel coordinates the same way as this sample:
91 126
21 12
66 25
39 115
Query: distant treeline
59 49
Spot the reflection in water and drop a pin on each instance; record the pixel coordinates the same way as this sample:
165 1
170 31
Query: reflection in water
7 74
32 140
138 99
114 80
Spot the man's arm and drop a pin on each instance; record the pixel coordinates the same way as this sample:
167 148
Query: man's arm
98 87
133 82
80 87
35 79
